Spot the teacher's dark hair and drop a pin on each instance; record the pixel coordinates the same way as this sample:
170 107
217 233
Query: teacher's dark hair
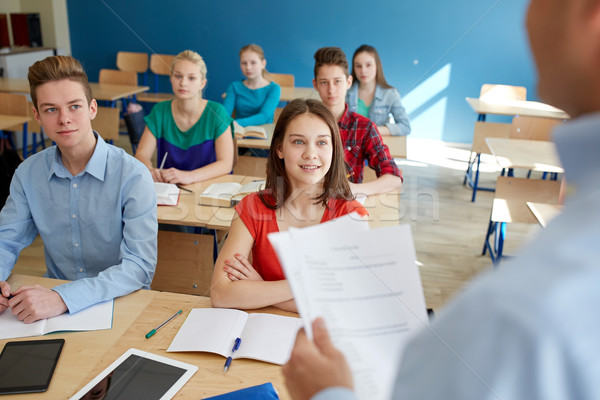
278 188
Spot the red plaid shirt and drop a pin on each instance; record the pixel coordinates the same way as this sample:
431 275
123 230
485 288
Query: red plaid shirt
362 141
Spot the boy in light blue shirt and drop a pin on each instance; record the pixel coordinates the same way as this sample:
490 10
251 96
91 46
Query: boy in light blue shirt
93 205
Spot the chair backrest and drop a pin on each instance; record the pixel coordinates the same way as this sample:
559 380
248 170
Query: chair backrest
14 104
160 64
118 77
484 130
533 128
136 62
281 79
107 123
512 195
491 92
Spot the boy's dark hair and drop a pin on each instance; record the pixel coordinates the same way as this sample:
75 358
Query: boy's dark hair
57 68
331 56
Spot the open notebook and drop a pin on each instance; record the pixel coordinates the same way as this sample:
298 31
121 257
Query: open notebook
93 318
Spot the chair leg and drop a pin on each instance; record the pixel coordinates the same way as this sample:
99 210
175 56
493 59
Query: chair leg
476 183
487 237
25 140
469 171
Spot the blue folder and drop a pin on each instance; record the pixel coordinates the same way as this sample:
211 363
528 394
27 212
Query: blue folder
265 391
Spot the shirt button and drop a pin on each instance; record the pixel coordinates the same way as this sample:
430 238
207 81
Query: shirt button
80 269
74 216
76 245
74 185
348 148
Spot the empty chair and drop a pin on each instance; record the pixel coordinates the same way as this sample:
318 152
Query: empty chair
491 92
481 131
281 79
510 206
160 65
136 62
117 77
107 123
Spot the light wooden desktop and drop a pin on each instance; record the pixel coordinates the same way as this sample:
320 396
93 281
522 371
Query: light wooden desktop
86 354
516 107
103 91
8 121
536 155
545 213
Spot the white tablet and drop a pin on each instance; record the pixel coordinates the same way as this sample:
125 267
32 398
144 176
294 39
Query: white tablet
138 375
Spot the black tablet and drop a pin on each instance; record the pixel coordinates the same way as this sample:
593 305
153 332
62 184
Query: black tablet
27 367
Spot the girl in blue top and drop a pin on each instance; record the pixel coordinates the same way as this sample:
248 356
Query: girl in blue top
371 95
253 99
190 134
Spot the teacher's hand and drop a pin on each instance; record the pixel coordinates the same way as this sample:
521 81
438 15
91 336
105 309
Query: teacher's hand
315 366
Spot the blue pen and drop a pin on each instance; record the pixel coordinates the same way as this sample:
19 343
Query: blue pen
236 345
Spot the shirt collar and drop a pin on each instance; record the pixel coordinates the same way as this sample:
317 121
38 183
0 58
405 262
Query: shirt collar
96 166
577 142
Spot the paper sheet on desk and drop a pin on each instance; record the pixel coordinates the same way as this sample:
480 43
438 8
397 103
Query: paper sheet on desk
96 317
365 284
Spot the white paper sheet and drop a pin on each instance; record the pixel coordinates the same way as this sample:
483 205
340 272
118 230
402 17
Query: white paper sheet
366 285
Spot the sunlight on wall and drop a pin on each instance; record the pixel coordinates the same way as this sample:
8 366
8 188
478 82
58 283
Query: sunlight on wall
426 105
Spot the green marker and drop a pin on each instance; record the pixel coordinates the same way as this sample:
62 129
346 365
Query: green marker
153 331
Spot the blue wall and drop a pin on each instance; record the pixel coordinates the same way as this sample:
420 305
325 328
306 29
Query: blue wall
434 52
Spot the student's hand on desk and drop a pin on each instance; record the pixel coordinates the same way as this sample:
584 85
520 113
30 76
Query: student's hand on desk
32 303
314 366
4 295
240 268
174 175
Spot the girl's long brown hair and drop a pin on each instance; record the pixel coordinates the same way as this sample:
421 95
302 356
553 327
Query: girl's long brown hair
379 77
278 187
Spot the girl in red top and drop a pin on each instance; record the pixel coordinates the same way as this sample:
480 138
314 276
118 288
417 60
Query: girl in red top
306 185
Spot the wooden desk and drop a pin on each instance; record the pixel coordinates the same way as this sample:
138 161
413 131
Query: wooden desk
103 91
9 121
384 209
189 212
86 354
82 349
515 107
544 212
395 144
536 155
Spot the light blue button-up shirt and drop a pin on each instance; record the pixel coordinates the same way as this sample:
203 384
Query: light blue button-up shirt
99 227
530 330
